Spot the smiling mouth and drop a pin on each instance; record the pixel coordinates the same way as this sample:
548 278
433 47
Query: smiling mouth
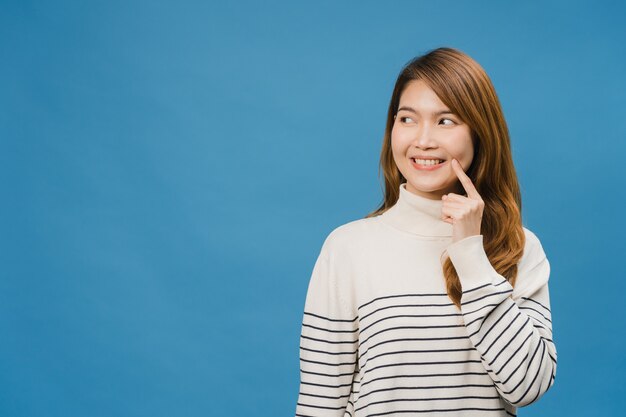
428 162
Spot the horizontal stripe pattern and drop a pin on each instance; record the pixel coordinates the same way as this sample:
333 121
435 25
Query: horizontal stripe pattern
514 339
328 363
328 345
417 354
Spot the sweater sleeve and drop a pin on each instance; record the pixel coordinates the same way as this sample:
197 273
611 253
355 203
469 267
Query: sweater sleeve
510 328
328 341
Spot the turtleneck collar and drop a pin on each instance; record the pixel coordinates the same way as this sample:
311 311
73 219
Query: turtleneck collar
417 215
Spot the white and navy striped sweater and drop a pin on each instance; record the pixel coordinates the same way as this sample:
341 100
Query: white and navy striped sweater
380 336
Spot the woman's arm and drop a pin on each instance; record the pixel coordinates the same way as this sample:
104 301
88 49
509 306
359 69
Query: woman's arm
328 343
511 329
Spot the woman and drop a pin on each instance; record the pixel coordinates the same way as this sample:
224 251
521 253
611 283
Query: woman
436 303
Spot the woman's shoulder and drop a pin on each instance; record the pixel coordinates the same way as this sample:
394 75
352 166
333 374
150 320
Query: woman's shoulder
351 234
533 268
533 249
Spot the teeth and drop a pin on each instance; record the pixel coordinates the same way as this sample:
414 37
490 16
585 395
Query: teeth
428 161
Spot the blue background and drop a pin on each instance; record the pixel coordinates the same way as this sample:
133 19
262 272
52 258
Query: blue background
170 170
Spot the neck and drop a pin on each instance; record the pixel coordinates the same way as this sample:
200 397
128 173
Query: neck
417 215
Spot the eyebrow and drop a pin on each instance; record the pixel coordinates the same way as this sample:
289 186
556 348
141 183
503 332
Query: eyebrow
445 111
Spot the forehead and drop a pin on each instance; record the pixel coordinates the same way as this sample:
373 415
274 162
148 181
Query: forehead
420 97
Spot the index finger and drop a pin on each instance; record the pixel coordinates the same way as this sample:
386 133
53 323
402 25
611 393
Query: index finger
465 180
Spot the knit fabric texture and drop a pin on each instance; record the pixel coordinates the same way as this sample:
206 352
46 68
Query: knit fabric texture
380 336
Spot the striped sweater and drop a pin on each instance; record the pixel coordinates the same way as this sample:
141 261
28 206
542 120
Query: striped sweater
381 337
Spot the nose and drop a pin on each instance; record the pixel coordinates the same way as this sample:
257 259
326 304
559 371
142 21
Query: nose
424 138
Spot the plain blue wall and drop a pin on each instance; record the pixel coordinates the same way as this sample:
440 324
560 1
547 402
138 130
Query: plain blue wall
170 170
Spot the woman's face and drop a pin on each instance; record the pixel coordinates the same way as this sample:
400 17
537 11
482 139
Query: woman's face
425 127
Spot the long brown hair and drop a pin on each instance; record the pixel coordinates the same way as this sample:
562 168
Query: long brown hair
463 85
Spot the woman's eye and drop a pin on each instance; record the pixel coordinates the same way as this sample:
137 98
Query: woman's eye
407 119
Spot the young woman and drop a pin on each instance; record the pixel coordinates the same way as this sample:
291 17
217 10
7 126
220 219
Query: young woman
437 303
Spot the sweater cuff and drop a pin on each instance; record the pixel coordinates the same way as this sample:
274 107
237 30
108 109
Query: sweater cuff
471 263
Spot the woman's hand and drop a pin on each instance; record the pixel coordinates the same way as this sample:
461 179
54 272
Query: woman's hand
464 213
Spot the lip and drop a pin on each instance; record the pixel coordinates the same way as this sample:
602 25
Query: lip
426 157
427 167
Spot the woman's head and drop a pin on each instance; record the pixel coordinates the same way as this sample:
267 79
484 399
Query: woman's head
425 137
474 132
447 79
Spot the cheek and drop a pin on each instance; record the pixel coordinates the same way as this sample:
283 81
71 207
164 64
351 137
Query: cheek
462 149
396 143
399 140
398 151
